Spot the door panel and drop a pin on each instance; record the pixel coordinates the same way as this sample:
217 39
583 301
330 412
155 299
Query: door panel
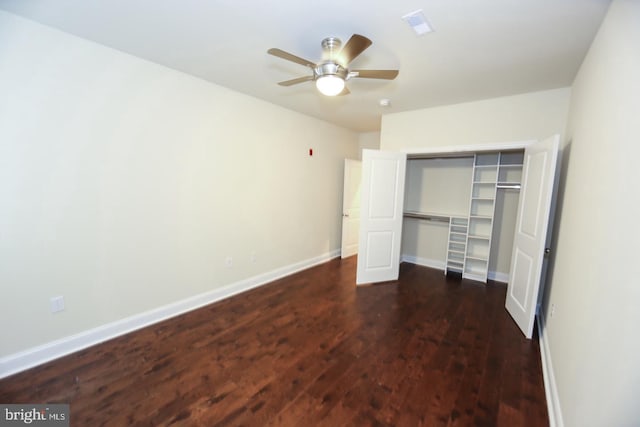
351 207
382 258
531 232
384 183
383 176
522 273
532 199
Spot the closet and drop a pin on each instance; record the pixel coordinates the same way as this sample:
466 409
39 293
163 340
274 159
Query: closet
455 206
456 215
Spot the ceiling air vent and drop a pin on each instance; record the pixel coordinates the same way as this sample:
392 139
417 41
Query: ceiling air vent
418 22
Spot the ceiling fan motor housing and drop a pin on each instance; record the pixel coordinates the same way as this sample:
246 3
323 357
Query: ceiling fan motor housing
330 68
331 44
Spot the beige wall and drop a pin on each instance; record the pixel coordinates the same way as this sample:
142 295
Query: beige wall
369 141
593 334
536 115
425 241
523 117
124 185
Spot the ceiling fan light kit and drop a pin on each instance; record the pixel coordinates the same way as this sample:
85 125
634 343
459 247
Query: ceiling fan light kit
330 85
332 73
330 77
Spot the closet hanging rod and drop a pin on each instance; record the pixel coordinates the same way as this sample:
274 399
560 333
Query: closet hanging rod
509 186
428 217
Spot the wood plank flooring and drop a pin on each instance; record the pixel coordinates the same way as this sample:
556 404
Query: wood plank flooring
311 350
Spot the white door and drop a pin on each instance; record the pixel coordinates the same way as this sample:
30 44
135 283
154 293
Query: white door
351 207
381 215
531 232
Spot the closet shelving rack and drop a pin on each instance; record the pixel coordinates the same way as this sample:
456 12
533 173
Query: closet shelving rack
481 212
491 172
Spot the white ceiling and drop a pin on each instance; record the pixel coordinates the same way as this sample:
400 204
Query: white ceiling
480 49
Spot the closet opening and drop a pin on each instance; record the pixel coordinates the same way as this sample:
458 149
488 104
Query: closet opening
460 212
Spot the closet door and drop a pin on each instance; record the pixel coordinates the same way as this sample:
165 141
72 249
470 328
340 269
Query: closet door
381 208
532 222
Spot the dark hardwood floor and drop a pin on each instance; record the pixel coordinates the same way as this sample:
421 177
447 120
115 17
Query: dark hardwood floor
311 350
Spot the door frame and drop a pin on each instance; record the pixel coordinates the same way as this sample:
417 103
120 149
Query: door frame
458 150
427 152
347 250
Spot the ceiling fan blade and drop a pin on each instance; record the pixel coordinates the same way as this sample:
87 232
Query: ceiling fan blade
290 57
375 74
295 81
354 47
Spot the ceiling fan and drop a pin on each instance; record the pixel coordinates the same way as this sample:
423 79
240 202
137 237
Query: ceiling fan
332 72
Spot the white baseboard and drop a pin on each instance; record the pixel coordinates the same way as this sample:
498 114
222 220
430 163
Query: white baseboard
34 356
425 262
550 389
498 277
440 265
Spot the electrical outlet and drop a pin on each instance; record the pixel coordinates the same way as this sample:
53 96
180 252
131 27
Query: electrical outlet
228 262
56 304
